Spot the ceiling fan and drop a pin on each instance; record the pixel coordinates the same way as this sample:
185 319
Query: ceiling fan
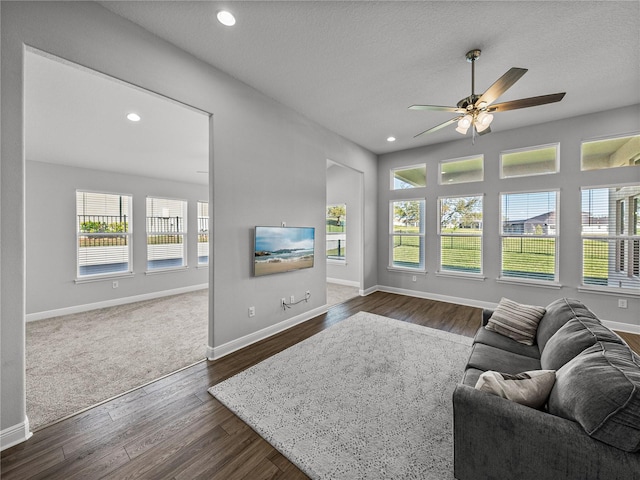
475 111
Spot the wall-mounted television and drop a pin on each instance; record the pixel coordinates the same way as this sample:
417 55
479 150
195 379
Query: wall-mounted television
282 249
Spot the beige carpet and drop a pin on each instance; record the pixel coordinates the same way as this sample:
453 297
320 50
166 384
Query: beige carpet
76 361
337 293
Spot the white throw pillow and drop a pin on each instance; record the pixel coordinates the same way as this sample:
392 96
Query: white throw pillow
516 320
528 388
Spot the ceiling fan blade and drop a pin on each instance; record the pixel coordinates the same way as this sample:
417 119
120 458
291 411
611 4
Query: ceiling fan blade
501 85
438 127
527 102
437 108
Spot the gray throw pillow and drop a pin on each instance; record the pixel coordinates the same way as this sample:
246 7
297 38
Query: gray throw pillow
516 320
527 388
600 389
573 337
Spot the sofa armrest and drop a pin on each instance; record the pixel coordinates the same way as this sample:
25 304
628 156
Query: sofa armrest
486 315
495 438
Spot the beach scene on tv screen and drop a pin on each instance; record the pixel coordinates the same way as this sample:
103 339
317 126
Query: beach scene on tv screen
281 249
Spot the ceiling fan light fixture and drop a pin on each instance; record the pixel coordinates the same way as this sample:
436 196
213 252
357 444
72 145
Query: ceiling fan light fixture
465 122
462 130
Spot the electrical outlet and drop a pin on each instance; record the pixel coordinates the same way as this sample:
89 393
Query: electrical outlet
413 279
283 302
114 284
307 295
293 299
252 311
622 303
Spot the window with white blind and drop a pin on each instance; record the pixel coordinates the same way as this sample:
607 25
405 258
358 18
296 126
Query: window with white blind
166 232
611 237
203 233
103 231
406 234
529 236
460 230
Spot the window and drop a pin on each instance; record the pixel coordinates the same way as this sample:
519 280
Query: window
610 153
461 170
611 237
103 227
203 233
529 161
406 238
460 230
409 177
337 232
166 230
529 233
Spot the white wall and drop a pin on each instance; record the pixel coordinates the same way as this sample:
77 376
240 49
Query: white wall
344 186
570 133
269 166
51 239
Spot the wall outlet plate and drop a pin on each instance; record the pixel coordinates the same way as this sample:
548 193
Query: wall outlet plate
252 311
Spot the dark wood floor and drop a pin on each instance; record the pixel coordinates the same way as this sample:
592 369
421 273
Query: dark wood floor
174 429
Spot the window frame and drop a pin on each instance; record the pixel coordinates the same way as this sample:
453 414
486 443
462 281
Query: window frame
202 232
442 235
128 234
182 233
460 159
554 283
625 230
421 268
604 139
531 148
334 259
406 167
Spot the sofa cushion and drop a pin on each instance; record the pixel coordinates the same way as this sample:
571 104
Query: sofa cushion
600 389
527 388
572 338
485 357
471 376
516 320
558 313
497 340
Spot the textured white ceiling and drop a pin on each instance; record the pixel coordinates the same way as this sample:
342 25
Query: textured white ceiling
77 117
355 67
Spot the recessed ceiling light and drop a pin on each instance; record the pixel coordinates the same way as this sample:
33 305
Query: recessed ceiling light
391 139
226 18
134 117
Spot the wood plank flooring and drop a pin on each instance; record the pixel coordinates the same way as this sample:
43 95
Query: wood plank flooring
173 429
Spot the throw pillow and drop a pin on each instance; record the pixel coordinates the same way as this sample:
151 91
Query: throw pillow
528 388
516 320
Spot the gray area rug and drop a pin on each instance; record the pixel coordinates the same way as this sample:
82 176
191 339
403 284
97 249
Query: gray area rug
76 361
368 398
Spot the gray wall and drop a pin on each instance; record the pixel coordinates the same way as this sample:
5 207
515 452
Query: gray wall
344 186
570 133
269 166
51 239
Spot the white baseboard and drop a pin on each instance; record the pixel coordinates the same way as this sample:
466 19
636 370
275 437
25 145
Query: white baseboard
214 353
621 327
347 283
31 317
15 434
434 296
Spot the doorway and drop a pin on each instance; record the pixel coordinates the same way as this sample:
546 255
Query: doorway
344 220
116 187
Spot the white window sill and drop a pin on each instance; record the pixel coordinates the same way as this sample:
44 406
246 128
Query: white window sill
628 292
529 283
161 271
103 278
415 271
468 276
333 261
203 265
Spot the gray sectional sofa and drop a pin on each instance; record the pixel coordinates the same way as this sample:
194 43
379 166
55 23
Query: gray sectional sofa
590 426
